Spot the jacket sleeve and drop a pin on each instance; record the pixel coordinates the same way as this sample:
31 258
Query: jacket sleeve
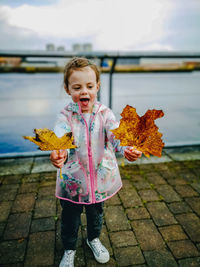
110 124
62 125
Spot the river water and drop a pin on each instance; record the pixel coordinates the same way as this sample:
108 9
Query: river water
29 101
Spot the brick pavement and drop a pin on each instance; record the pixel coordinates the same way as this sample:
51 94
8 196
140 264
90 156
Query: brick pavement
153 221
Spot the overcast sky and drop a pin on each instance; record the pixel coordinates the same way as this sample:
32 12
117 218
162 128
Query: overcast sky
107 24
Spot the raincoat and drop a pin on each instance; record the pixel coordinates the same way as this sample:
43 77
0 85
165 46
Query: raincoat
91 173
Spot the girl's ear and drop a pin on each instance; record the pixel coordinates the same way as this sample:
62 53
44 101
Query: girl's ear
98 86
67 90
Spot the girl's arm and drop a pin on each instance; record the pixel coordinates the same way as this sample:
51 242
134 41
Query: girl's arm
58 158
110 124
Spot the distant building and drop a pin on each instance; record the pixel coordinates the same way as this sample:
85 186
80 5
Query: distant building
87 47
61 48
50 47
77 47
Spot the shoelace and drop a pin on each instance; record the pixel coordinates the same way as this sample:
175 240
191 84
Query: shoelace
69 256
97 245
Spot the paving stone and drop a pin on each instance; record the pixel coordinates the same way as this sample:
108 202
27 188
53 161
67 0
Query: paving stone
14 265
175 165
196 186
79 260
160 258
5 207
186 191
137 213
44 183
28 188
116 219
105 240
40 244
12 251
45 207
192 262
191 224
155 178
168 174
31 178
194 204
8 192
177 181
142 184
160 213
48 176
2 227
18 226
129 197
13 179
168 193
128 256
123 239
179 207
161 166
172 233
24 203
15 166
113 201
148 195
183 249
147 235
42 164
91 262
187 175
43 224
46 191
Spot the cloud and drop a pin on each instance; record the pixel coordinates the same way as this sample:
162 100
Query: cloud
108 24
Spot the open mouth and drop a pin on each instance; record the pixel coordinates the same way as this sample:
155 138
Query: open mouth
85 101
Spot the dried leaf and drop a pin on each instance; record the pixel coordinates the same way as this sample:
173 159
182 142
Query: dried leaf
47 140
140 132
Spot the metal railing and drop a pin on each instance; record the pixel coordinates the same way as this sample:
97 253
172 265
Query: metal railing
101 56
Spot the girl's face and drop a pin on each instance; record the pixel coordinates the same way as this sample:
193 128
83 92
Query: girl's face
83 88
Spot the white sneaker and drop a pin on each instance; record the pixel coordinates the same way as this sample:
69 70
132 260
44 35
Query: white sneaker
68 258
101 254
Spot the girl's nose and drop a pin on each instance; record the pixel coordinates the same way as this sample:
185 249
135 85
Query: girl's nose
84 90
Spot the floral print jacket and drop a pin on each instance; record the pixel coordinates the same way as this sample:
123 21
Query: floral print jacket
91 172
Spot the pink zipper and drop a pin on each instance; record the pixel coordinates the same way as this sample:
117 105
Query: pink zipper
90 154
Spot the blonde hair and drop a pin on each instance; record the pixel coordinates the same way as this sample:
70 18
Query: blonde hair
78 63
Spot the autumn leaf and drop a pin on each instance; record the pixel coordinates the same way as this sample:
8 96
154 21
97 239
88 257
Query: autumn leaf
47 140
140 132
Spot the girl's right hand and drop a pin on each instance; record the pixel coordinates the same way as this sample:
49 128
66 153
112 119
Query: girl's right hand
58 158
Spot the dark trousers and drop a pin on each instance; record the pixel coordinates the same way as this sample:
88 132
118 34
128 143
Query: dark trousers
71 219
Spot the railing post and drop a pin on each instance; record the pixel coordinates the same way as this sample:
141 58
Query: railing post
110 81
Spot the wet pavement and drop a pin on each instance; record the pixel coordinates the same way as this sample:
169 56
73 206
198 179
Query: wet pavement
154 220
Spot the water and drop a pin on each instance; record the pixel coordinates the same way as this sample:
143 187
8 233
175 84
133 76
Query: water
29 101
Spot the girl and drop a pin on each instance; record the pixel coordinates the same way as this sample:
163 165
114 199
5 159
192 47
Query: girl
90 173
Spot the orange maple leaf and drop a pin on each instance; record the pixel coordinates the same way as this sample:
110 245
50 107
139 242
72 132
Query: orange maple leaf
140 132
47 140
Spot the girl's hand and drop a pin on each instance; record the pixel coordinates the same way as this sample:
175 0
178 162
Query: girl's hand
58 157
132 154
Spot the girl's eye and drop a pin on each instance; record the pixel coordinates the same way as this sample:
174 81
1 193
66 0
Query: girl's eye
90 86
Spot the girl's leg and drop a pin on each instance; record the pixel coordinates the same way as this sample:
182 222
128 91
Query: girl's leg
70 222
94 213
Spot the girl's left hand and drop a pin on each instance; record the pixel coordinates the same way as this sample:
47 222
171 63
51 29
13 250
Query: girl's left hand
132 154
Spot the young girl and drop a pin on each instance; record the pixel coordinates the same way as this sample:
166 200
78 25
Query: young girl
90 173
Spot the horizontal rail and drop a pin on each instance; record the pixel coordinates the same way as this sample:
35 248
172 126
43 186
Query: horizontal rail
100 55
